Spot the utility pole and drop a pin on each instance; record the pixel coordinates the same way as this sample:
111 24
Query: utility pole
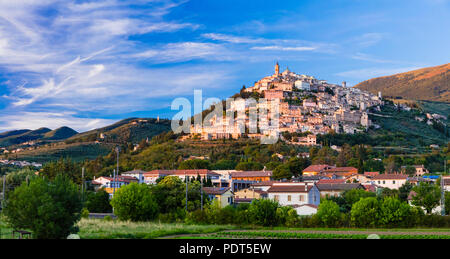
114 181
442 188
4 192
185 178
201 192
82 184
117 150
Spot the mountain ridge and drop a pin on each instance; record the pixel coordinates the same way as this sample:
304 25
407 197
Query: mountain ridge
430 84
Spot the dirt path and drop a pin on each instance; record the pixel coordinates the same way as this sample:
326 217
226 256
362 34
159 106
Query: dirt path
349 232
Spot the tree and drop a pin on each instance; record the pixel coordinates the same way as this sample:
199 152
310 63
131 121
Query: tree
249 166
404 191
98 202
263 212
49 209
366 212
410 170
328 213
427 196
195 164
394 212
296 165
282 172
134 202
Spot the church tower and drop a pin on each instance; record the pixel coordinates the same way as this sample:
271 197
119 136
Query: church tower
277 69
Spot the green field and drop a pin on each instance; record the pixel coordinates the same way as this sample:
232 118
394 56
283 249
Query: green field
102 229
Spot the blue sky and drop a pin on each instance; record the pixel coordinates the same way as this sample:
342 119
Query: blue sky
86 64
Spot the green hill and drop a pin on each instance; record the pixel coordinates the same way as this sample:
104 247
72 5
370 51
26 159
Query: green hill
60 133
432 84
28 135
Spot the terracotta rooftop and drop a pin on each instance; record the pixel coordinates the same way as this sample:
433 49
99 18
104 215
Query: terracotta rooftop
252 174
390 177
338 186
289 188
215 190
315 168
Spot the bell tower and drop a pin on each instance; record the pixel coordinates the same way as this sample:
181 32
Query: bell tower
277 69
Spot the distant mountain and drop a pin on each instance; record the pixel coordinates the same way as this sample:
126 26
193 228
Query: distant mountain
21 136
431 84
60 133
128 130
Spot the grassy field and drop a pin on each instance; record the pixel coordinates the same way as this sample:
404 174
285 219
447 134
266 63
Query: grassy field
101 229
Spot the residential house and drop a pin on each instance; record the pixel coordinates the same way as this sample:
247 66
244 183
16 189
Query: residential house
315 169
223 195
243 179
295 194
336 189
391 181
136 173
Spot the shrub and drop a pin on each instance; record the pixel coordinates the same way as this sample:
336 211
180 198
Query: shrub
328 213
393 212
134 202
85 213
365 212
98 202
263 212
107 218
49 209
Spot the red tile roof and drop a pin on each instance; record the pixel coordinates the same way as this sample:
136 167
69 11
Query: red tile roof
215 190
390 177
371 173
315 168
289 188
331 181
251 174
341 170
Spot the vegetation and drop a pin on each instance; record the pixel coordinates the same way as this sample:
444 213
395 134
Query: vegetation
49 209
430 83
134 202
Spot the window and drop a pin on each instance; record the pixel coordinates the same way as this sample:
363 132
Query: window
301 198
393 182
289 197
275 197
384 182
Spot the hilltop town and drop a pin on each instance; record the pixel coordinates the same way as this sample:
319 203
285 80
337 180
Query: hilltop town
305 105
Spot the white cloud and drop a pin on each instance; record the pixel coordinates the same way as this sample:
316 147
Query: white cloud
282 48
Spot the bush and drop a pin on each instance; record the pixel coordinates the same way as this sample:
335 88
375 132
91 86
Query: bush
107 218
134 202
49 209
263 212
328 213
85 213
394 213
366 212
98 202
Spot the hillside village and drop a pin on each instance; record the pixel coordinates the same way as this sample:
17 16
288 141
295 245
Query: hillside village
306 104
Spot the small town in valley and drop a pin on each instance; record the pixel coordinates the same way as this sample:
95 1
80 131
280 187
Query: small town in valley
224 128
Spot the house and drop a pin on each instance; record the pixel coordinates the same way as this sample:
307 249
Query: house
371 174
446 183
343 171
315 169
391 181
243 179
294 193
223 195
250 193
360 178
138 174
420 170
336 189
152 176
110 184
305 209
